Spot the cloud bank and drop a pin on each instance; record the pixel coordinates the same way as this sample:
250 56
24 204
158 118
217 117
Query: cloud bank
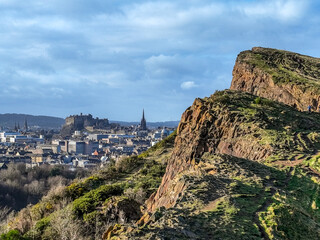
113 58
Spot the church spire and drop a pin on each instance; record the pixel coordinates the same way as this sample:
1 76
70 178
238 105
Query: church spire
25 125
143 124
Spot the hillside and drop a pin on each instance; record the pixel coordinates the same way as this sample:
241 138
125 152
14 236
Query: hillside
243 167
86 208
240 166
283 76
10 119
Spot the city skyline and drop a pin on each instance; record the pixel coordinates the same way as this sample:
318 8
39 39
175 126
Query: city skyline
113 59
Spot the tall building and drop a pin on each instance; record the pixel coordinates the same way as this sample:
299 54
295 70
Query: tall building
143 124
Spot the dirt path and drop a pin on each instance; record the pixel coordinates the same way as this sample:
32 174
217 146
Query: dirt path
263 208
288 163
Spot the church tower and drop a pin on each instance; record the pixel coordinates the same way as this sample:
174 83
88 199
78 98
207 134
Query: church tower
143 124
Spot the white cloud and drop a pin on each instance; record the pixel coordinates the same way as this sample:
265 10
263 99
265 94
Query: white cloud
188 85
284 10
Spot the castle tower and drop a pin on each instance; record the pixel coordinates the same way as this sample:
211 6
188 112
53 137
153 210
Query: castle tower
143 124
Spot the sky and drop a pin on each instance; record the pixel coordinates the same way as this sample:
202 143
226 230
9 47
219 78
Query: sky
113 58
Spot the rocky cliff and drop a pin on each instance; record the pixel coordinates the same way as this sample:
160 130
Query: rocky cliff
241 168
283 76
235 124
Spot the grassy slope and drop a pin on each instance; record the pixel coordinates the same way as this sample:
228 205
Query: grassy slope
89 199
285 66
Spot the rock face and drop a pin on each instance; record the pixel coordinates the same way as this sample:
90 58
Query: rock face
122 210
220 125
282 76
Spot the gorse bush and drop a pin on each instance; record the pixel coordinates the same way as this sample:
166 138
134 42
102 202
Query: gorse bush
77 189
257 100
12 235
92 199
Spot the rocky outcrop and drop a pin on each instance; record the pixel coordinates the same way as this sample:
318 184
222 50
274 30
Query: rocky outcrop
282 76
213 125
122 210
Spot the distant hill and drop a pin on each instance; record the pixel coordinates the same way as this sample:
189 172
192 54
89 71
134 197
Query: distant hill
150 124
10 119
47 122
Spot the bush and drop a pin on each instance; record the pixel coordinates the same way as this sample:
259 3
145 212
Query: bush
76 190
42 224
92 199
91 218
12 235
257 100
126 165
83 205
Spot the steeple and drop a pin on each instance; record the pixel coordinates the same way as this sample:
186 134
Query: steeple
25 125
143 124
15 127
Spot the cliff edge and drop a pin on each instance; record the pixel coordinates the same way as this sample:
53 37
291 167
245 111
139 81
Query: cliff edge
283 76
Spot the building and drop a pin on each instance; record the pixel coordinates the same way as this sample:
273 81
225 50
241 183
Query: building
81 147
80 122
97 137
3 166
76 147
16 137
6 136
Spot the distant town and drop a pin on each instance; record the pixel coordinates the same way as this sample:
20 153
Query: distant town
82 142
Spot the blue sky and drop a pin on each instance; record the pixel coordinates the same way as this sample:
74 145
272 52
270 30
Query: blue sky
113 58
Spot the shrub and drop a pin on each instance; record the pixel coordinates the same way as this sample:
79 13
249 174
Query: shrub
127 164
76 190
12 235
83 205
257 100
91 218
90 200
